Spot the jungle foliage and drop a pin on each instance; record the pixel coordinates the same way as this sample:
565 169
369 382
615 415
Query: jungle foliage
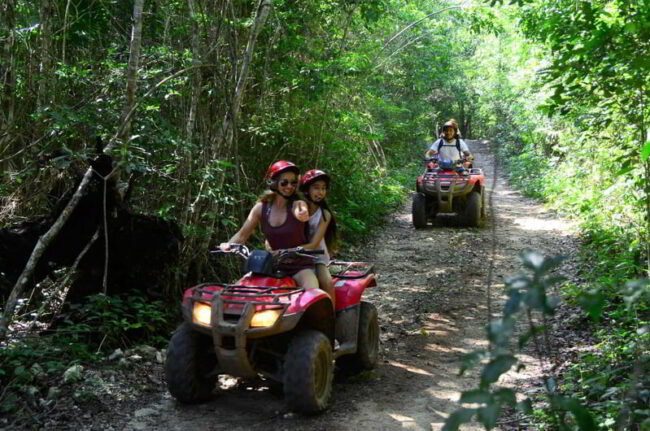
579 140
224 88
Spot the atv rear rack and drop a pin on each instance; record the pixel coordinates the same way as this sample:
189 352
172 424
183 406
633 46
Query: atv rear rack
352 270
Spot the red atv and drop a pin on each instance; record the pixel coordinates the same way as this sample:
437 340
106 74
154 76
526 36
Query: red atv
266 325
449 187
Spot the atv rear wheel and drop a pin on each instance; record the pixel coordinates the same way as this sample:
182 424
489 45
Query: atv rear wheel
190 365
367 342
308 372
419 211
473 210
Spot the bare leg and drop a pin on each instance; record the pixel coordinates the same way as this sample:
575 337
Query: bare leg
306 278
325 281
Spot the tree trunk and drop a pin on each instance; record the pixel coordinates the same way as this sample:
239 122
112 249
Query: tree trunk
230 118
646 165
45 240
8 95
44 81
132 71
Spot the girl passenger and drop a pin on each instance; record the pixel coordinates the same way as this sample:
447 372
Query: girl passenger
322 225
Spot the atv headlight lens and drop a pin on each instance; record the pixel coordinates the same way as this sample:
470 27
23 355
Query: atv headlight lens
201 313
266 318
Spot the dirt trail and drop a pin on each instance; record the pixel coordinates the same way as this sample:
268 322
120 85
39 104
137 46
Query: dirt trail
432 302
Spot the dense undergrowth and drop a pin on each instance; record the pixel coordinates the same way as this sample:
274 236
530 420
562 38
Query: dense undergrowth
591 184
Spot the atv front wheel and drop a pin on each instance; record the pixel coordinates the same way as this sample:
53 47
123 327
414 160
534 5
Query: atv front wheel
308 372
190 365
419 211
473 210
367 342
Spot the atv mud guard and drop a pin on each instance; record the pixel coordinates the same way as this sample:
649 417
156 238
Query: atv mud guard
347 330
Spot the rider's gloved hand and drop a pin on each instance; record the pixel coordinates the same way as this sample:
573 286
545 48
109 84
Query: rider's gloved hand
225 246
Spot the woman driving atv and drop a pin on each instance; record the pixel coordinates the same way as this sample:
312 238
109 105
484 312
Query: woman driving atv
283 217
449 146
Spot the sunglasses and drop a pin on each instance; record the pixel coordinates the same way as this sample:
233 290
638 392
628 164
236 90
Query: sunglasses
285 183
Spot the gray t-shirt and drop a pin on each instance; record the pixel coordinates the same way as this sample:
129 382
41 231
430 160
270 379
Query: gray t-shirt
448 149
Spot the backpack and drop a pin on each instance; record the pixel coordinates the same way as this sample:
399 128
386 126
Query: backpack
442 141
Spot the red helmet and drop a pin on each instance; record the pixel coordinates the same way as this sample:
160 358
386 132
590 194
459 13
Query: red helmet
279 167
311 176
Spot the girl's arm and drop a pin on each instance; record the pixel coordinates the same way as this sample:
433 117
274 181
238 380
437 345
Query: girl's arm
314 243
247 229
300 211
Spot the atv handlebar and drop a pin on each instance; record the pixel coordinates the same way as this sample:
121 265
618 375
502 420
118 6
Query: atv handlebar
278 255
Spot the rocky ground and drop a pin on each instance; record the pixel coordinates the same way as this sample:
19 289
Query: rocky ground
432 301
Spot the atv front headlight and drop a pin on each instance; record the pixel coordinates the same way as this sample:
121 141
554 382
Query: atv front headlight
201 313
266 318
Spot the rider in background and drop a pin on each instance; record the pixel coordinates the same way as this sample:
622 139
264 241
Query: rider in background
282 216
449 146
322 225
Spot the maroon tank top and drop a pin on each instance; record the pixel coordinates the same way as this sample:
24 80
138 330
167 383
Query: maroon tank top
289 234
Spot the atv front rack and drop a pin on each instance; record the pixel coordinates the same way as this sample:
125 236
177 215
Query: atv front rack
351 270
247 294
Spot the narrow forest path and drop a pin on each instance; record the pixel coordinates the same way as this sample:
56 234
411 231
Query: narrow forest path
432 302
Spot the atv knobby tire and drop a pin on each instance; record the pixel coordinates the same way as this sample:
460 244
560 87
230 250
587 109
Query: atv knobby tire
483 208
419 211
473 210
190 365
308 372
367 342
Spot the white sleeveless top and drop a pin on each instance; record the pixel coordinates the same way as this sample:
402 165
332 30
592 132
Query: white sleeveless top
314 224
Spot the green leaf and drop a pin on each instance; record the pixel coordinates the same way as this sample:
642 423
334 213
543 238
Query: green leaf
500 331
493 370
488 415
457 418
505 396
593 302
475 396
583 417
470 360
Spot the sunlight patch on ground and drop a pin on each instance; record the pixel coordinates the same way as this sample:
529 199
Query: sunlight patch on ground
531 223
410 368
452 394
405 421
438 318
438 348
414 289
